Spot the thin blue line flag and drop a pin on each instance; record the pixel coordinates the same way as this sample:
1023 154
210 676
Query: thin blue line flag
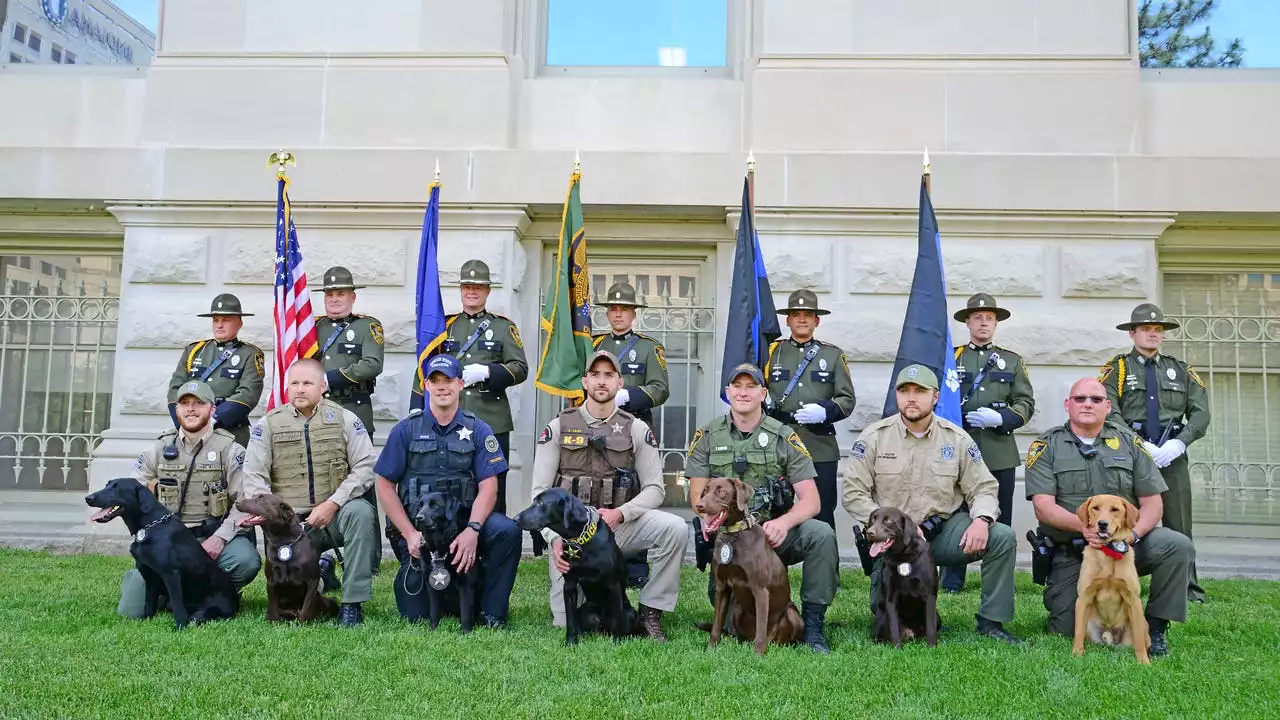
926 331
753 319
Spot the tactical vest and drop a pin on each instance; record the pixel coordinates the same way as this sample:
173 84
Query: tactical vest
590 458
760 449
308 458
194 486
440 463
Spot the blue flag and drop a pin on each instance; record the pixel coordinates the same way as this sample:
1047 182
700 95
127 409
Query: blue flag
926 331
753 319
430 308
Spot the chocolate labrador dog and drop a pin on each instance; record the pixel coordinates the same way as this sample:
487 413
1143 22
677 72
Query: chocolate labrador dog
744 563
597 570
293 565
906 600
440 519
167 555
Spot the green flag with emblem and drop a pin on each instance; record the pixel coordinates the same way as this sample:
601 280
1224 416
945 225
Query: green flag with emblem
566 312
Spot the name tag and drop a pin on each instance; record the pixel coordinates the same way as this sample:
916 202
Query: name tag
633 368
289 436
573 440
491 345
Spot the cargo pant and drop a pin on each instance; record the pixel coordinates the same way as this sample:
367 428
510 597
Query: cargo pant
355 530
1177 512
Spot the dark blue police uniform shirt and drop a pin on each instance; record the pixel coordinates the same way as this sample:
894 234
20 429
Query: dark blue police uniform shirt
488 459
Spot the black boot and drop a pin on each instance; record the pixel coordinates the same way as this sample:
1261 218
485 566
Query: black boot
350 615
993 629
815 617
328 576
492 622
1159 645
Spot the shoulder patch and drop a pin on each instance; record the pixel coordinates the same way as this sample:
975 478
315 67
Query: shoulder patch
375 330
515 335
491 444
545 436
239 459
974 453
1142 447
650 439
358 427
693 442
1192 373
660 353
256 435
260 364
795 442
596 340
1035 451
859 450
142 459
1105 372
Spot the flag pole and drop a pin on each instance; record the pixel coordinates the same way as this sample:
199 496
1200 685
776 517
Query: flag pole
928 178
751 183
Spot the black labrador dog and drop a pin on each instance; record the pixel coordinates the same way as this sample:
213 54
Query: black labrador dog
293 564
906 601
168 556
597 570
440 518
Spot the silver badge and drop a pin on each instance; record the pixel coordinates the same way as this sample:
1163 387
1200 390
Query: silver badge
141 535
726 554
330 416
351 335
1000 363
235 360
1173 374
631 356
904 569
822 364
211 455
439 577
763 440
284 553
488 334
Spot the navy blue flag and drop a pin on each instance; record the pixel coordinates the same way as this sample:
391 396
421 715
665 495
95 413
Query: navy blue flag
926 331
753 319
429 306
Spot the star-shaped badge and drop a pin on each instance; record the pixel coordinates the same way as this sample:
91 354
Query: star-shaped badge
617 427
464 433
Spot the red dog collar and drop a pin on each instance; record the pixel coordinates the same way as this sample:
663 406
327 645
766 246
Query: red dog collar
1116 550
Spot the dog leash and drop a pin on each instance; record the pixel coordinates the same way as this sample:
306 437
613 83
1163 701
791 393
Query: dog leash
333 545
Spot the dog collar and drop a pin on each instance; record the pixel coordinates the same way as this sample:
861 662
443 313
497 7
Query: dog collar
736 527
1115 550
573 548
141 535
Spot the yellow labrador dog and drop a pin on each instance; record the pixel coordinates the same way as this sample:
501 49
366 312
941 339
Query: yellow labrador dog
1109 598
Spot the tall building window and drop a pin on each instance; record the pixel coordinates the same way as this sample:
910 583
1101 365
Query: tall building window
655 33
15 58
33 41
55 53
20 32
69 58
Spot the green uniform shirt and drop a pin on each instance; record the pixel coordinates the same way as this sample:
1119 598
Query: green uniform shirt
497 346
825 381
644 370
1181 395
1057 466
236 379
1005 388
353 360
722 437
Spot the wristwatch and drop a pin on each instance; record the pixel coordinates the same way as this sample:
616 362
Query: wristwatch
989 520
474 525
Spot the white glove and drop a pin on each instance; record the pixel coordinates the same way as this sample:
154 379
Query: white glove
984 418
474 373
811 414
1168 452
622 398
1153 450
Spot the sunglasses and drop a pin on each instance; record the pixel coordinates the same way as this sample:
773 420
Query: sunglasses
1081 399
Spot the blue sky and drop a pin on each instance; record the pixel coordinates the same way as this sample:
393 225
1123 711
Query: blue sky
632 32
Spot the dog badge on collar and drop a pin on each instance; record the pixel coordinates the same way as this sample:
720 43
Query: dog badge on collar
141 535
904 569
726 554
438 578
284 553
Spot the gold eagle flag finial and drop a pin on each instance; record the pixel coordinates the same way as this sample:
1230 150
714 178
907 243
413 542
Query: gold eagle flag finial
280 159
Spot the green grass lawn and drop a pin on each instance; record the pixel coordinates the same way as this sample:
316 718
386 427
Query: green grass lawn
64 653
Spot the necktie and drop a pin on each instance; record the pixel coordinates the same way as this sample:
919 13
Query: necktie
1152 427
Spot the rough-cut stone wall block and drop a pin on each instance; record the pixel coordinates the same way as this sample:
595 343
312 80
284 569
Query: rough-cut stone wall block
374 258
1107 269
459 246
155 318
880 266
1001 268
796 263
166 256
1068 338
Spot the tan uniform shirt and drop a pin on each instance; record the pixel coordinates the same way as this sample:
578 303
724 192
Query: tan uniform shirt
232 459
360 460
546 466
891 467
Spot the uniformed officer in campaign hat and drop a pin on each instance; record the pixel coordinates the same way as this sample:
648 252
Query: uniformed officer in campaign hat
810 389
492 356
997 400
1165 402
643 359
231 367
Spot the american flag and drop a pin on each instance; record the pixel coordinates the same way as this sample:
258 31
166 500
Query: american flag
295 326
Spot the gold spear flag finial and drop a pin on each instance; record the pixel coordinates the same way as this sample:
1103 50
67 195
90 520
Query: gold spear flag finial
751 161
437 175
926 160
281 158
577 161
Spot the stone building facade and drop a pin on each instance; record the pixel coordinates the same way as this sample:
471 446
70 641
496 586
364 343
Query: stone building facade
1069 183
